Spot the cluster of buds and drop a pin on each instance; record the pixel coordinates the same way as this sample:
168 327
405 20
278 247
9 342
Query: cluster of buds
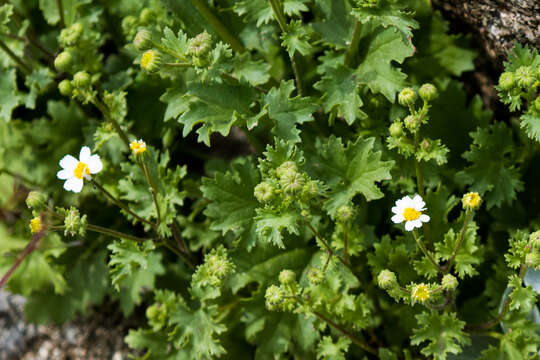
74 223
532 258
520 83
285 296
199 48
215 268
71 35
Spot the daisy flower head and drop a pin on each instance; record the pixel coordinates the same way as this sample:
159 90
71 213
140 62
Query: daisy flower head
410 210
74 171
420 293
35 225
471 201
137 147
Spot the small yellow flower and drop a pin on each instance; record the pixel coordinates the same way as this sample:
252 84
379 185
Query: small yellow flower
420 293
35 225
150 60
471 200
137 147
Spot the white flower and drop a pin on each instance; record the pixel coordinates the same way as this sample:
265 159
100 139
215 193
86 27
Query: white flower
410 211
74 171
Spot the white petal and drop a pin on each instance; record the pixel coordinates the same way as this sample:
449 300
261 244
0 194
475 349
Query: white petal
409 226
64 174
398 218
417 223
68 163
84 155
419 204
424 218
94 164
395 210
73 184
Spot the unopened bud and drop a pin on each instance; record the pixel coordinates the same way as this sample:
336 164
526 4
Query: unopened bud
428 92
70 36
411 122
146 16
525 76
36 200
63 61
344 214
534 240
200 45
264 192
315 276
507 81
386 279
143 40
425 144
75 224
396 129
274 297
449 282
292 182
65 87
287 166
537 104
532 259
81 79
407 97
287 277
310 189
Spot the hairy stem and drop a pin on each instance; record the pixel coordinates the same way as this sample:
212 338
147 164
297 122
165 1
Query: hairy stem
22 65
61 13
103 108
153 188
426 252
218 26
353 338
448 265
113 233
353 46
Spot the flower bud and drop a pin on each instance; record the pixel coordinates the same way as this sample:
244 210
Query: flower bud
274 297
507 81
425 144
310 189
449 282
396 129
292 182
386 279
81 79
420 293
407 97
537 104
146 16
63 61
70 36
471 201
264 192
35 225
315 276
534 240
129 25
143 40
287 277
411 122
151 61
428 92
287 166
525 76
532 259
36 200
344 214
200 45
75 224
65 87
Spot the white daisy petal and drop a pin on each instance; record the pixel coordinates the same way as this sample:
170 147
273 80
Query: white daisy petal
84 155
68 163
409 226
74 184
64 174
424 218
395 210
398 218
417 223
94 164
418 202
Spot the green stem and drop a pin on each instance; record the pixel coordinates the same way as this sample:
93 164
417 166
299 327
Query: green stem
61 13
182 65
120 204
353 46
103 108
22 65
424 250
353 338
19 176
448 266
153 189
113 233
218 26
282 21
420 185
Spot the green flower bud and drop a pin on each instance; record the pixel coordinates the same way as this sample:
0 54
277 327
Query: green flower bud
264 192
146 16
151 61
507 81
75 224
537 104
63 61
81 79
534 240
287 277
70 36
129 26
292 182
411 122
315 276
428 92
525 76
449 282
274 297
386 279
287 166
218 266
157 316
310 189
65 87
305 214
396 129
407 97
532 259
143 40
425 144
200 45
344 214
36 200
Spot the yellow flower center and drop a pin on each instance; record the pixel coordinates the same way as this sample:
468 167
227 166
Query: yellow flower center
411 214
35 225
147 58
421 293
137 146
471 200
81 170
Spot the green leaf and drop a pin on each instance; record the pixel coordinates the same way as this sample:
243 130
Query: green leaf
530 123
340 91
288 111
50 11
379 48
522 298
493 173
443 332
270 225
328 350
8 93
260 11
296 39
253 72
337 27
233 203
177 44
348 170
